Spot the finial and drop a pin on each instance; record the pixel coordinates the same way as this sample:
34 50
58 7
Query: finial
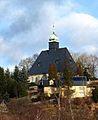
53 36
53 28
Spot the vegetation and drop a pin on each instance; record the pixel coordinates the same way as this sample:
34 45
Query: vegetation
52 71
27 62
22 109
95 94
88 63
13 84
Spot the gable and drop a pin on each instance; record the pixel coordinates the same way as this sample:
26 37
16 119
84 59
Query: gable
55 56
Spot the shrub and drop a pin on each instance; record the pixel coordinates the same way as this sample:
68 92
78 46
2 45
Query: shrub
95 94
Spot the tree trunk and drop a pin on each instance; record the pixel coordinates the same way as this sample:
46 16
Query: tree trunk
59 103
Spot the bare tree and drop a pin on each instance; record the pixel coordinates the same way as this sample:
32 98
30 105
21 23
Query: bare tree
87 61
28 62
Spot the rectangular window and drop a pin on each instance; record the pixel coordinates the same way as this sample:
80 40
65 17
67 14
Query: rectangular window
81 88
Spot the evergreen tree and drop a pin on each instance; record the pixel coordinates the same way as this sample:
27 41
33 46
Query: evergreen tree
68 83
11 84
24 85
20 76
95 94
24 74
52 71
16 76
2 83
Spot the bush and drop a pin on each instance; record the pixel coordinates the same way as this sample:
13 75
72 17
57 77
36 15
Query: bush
77 101
95 94
6 97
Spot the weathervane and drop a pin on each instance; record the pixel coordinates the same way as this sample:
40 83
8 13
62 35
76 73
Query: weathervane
53 28
53 36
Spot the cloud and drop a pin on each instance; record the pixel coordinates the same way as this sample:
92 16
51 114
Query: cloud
26 26
81 30
90 49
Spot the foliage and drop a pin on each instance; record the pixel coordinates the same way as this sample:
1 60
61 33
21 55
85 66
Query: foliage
68 74
90 62
68 82
95 94
27 62
13 85
52 71
23 110
85 73
79 68
3 84
20 76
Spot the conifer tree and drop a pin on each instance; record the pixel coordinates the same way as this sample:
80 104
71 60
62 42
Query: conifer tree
52 71
67 83
20 77
2 83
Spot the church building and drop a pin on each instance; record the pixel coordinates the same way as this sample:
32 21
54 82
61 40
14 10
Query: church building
54 55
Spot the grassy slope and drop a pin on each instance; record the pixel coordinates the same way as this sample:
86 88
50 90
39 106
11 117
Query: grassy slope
22 109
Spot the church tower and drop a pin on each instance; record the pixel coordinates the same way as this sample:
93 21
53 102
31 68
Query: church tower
53 42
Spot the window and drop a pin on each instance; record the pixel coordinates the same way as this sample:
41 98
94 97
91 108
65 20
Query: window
32 79
81 94
51 82
57 61
38 64
81 88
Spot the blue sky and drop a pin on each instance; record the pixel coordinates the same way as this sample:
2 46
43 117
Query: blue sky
25 27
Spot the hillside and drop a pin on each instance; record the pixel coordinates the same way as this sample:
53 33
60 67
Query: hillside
23 109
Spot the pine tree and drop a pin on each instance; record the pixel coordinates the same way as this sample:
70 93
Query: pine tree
23 80
2 83
11 84
52 71
20 76
68 82
95 94
16 76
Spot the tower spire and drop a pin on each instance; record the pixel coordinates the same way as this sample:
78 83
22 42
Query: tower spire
53 36
53 41
53 28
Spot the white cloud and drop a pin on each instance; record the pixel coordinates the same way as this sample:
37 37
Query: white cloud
30 24
81 29
90 49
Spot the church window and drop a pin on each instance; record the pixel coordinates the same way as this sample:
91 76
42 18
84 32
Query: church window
38 64
57 61
32 79
51 82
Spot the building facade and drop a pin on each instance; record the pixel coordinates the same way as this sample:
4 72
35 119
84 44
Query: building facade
54 55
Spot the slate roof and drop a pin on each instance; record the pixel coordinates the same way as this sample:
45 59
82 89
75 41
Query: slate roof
52 56
93 83
80 81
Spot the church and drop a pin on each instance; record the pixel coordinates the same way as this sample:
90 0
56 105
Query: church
54 55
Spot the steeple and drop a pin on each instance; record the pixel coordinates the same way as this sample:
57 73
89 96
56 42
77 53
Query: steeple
53 37
53 41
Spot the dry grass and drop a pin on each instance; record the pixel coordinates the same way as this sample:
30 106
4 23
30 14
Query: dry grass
22 109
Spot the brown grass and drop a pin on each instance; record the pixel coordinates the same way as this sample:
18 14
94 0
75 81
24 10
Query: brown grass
22 109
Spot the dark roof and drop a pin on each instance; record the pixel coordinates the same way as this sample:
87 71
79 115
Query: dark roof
52 56
80 80
77 81
93 83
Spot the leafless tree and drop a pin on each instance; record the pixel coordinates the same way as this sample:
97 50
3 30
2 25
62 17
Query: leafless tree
28 62
87 61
